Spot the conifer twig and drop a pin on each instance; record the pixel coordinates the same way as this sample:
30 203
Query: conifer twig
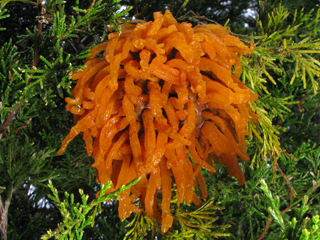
9 119
293 192
271 219
282 212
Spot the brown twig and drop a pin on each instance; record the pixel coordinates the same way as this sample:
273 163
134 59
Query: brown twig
4 215
4 127
293 192
266 228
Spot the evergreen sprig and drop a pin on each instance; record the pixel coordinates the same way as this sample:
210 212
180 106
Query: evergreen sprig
195 223
276 49
285 46
139 227
289 227
257 214
199 223
2 16
77 216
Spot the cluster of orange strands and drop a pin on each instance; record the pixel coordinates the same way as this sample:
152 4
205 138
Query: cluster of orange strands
161 91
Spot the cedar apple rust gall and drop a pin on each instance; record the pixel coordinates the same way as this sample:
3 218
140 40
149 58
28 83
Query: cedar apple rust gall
163 101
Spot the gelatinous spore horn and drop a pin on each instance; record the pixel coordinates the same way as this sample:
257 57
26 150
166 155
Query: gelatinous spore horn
163 92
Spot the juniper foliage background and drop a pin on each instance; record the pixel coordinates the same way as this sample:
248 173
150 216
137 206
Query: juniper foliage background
41 42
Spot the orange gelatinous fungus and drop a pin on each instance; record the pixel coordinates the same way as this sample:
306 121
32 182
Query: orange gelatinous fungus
161 91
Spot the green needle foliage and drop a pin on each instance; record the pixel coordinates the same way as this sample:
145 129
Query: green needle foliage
40 44
192 223
43 42
200 223
285 52
75 215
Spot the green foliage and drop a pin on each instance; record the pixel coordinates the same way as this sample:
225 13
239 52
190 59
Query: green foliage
40 46
77 216
262 209
275 204
3 3
139 227
2 16
285 52
192 223
200 223
311 230
296 228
